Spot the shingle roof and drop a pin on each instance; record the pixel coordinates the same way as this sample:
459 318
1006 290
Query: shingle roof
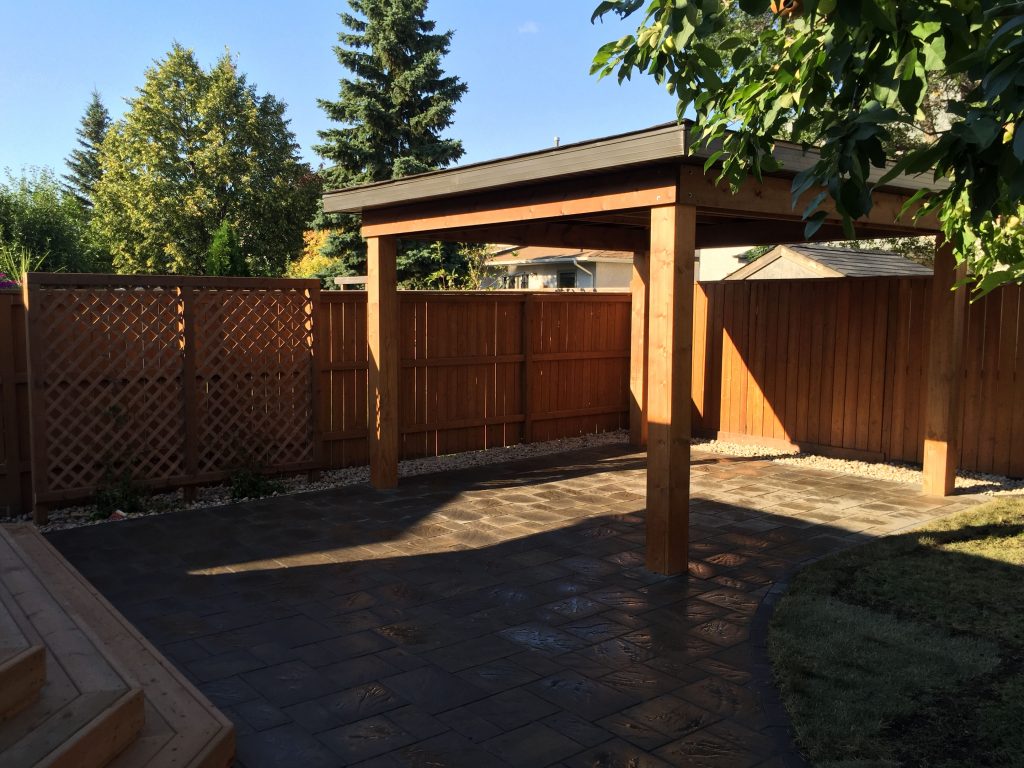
861 262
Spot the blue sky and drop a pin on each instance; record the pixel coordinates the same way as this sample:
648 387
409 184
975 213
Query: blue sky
526 64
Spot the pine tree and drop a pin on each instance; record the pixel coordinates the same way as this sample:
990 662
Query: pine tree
84 162
391 114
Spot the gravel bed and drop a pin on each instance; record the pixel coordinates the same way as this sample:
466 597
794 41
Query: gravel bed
977 482
220 495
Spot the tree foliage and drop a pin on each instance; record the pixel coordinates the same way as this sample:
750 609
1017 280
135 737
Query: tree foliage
389 119
84 161
225 256
44 225
197 149
851 77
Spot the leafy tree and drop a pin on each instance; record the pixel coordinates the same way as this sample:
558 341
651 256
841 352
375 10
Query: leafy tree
195 150
390 115
851 78
84 162
44 225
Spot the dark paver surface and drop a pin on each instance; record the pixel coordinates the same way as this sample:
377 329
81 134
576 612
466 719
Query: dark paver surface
498 616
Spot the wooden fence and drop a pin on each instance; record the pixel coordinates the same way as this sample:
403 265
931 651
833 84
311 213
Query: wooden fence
175 381
840 365
15 468
479 370
836 365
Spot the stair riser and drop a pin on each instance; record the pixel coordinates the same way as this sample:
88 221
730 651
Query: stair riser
98 743
21 680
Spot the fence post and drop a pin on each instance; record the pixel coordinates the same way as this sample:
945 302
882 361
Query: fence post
37 415
9 402
317 347
527 344
188 388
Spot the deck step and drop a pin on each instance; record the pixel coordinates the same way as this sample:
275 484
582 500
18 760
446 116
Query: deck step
21 679
177 727
88 733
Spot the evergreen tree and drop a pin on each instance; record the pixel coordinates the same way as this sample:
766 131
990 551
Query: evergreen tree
197 149
390 113
84 162
225 256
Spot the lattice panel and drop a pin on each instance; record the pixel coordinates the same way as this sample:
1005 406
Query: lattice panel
254 370
107 382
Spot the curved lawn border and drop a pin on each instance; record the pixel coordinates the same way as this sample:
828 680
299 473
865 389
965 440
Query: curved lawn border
907 650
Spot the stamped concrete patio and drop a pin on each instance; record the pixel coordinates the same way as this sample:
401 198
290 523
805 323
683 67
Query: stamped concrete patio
494 616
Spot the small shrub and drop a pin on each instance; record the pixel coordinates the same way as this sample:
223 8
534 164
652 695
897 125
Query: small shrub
118 491
249 482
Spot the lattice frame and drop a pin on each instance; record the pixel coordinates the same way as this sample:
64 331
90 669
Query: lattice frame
171 381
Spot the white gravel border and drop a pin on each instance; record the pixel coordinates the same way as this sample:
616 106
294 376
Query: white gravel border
220 495
978 482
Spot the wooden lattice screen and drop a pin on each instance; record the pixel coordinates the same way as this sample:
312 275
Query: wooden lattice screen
175 381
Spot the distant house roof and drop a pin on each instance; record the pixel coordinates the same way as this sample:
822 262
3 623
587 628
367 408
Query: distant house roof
514 256
825 261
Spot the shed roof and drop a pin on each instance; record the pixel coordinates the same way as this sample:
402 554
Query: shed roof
829 261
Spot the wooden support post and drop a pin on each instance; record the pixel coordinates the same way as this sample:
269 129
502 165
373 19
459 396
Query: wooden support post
382 340
943 401
669 364
638 287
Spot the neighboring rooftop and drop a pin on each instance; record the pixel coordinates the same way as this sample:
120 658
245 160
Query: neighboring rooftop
516 255
823 261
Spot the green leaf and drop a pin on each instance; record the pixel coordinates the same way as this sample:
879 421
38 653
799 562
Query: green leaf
814 224
934 54
1018 142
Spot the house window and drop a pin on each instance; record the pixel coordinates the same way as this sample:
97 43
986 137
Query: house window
521 280
567 279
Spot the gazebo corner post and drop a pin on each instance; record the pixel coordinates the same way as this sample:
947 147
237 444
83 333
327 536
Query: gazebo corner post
943 387
638 287
382 343
669 373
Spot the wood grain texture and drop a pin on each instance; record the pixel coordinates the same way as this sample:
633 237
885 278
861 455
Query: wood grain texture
943 403
382 338
639 287
670 342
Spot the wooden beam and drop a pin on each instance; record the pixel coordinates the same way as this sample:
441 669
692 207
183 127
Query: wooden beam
642 188
771 199
548 234
943 402
726 232
638 287
669 369
382 343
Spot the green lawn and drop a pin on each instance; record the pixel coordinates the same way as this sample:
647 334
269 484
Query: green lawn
909 651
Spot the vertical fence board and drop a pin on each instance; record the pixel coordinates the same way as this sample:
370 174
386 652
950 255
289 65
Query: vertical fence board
826 363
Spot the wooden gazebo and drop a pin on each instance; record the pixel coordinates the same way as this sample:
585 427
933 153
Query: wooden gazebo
639 192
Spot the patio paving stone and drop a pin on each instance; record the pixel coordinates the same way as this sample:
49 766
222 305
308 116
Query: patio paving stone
495 616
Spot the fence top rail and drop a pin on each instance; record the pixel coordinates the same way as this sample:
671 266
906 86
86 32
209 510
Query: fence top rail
89 280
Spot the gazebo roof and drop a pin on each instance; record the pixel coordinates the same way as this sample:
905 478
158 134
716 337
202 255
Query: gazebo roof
598 194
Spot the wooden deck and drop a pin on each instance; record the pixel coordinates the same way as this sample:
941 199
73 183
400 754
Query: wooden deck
79 686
